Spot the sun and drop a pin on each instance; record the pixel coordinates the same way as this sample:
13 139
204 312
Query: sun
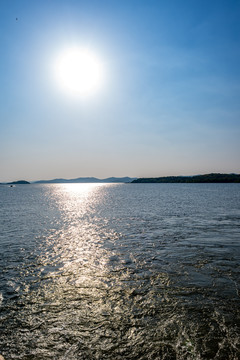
79 72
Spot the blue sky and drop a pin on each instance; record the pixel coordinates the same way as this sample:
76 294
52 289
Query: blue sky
170 101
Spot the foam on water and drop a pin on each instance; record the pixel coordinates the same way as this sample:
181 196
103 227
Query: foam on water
1 298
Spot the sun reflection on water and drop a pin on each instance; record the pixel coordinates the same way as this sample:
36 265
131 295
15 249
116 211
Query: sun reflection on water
79 256
77 199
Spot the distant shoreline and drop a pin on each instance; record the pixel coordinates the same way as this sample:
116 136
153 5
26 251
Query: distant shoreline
19 182
207 178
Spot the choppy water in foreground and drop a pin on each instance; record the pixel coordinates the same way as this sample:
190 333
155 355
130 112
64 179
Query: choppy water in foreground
120 271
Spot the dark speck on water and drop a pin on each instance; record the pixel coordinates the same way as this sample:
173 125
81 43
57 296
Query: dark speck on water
116 271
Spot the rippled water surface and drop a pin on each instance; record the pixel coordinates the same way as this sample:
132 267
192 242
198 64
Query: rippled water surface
120 271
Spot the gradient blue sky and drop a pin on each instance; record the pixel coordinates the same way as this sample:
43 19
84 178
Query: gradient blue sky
170 104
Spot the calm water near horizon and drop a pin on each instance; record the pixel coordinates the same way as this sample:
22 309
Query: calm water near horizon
120 271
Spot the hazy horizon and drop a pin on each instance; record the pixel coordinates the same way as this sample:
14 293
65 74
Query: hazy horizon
104 178
164 94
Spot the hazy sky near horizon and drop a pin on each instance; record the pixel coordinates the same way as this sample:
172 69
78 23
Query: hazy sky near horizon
170 97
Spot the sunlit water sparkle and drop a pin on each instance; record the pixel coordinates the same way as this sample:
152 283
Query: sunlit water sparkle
120 271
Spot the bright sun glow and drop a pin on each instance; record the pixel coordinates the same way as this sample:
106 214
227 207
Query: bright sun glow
79 72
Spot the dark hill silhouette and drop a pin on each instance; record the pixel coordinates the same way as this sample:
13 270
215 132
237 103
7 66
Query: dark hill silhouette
21 182
207 178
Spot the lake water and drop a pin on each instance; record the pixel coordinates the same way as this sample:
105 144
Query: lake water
120 271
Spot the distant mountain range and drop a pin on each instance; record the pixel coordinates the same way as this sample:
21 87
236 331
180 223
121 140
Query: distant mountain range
125 179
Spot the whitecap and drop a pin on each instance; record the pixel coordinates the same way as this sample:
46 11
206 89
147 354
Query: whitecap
1 298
